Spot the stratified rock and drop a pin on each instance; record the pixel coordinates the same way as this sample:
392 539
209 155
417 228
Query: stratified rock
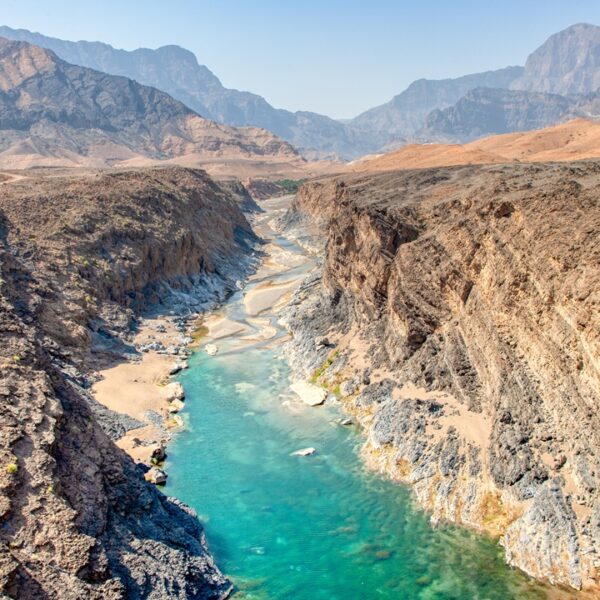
474 290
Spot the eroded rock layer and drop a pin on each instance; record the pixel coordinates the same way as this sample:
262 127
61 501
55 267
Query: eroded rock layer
80 255
460 309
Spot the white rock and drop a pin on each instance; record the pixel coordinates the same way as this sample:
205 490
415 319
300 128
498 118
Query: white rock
175 368
310 394
156 476
174 391
305 452
176 406
211 349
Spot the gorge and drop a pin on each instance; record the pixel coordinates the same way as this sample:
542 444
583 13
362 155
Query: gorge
230 368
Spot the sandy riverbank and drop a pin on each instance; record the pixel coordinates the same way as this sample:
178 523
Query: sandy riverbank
138 389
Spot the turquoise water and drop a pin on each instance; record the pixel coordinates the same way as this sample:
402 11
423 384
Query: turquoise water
317 527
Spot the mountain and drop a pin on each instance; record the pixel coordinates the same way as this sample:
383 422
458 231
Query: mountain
485 111
567 63
405 114
577 139
55 113
176 71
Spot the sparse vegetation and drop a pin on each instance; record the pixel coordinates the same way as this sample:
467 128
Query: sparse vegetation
290 185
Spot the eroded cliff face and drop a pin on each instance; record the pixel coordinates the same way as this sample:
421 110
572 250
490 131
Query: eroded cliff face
80 256
463 307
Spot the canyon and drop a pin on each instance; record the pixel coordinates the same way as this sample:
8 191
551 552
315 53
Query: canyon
429 311
460 312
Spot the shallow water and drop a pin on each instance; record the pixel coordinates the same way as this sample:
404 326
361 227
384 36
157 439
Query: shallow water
316 527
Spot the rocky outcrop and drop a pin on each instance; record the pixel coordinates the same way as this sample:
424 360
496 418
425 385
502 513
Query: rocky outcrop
463 306
81 255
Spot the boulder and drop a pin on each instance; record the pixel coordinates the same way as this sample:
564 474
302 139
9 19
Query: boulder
176 406
158 454
310 394
175 368
156 476
322 341
174 391
211 349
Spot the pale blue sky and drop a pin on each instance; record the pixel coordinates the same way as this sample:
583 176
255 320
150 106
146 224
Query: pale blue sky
334 57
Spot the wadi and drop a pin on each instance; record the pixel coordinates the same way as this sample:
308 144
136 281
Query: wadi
258 353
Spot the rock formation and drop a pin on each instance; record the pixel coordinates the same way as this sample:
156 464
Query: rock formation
463 303
81 255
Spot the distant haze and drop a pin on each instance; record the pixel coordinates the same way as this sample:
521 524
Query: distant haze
336 57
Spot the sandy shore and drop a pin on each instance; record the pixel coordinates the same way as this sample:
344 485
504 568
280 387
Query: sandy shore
138 388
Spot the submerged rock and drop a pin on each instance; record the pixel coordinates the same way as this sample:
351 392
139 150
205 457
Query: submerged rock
305 452
211 349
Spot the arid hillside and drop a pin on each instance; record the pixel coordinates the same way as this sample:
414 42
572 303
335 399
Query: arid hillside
576 140
54 114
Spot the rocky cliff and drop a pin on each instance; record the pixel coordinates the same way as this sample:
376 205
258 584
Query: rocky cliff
81 255
457 317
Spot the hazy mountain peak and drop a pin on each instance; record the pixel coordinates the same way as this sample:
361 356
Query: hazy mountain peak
568 62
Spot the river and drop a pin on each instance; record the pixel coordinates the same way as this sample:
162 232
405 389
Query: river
314 527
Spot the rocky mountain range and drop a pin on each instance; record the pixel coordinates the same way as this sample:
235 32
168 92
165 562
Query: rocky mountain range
566 64
177 72
55 113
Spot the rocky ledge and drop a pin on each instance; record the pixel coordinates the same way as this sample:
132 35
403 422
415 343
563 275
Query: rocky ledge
460 307
81 255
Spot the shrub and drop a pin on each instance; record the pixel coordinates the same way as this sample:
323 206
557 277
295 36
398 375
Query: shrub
12 468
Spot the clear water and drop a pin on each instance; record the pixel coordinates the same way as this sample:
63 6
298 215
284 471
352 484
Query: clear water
317 527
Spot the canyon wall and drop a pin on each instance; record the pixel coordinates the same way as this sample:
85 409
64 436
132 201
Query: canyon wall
81 255
457 317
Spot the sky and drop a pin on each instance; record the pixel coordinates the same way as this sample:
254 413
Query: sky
334 57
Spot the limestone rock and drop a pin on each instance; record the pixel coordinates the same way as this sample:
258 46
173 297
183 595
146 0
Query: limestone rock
310 394
174 391
211 349
176 406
